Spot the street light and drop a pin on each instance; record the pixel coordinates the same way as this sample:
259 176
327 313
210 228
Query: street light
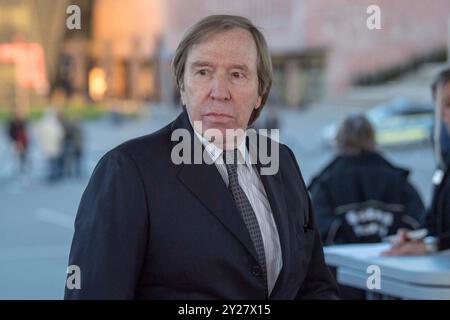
97 84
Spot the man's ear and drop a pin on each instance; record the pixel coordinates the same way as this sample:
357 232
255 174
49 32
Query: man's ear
258 102
183 101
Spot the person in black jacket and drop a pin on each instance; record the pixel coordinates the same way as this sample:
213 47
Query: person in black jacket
438 216
360 197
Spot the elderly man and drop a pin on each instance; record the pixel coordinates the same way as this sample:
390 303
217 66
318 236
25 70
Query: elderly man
152 227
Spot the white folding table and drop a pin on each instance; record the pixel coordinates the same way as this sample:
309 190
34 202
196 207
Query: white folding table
407 277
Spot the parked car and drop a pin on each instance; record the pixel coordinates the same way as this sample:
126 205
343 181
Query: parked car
398 122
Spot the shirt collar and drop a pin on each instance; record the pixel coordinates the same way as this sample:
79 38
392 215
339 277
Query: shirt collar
215 152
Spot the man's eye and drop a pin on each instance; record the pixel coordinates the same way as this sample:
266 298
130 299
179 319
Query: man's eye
237 75
202 72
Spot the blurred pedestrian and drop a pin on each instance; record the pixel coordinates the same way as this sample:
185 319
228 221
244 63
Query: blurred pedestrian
269 122
116 114
51 136
272 120
62 162
73 147
18 134
360 197
438 216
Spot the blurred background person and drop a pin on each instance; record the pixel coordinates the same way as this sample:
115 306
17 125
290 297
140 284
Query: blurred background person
73 147
18 135
116 115
51 137
272 120
444 145
360 197
438 215
269 120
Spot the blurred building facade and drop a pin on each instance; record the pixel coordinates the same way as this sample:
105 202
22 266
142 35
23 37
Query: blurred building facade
30 35
319 47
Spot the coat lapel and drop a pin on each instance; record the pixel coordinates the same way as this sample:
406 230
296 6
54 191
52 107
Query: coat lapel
273 186
205 182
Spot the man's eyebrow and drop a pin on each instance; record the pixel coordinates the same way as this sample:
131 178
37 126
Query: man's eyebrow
200 64
242 67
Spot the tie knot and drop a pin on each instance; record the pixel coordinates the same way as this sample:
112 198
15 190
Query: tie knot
230 156
230 159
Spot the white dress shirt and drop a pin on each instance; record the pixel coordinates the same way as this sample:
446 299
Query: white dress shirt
253 188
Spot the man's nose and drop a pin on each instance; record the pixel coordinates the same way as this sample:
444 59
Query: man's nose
220 89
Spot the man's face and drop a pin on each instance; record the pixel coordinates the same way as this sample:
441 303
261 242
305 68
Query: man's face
221 81
443 100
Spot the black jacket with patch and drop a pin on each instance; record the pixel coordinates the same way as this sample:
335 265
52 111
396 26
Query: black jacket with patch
363 198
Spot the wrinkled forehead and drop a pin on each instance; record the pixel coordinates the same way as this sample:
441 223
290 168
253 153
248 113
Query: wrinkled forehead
225 47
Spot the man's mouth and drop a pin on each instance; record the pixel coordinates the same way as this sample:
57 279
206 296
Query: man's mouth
218 117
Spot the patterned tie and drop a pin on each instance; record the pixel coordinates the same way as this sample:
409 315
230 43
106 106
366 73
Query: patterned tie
245 209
